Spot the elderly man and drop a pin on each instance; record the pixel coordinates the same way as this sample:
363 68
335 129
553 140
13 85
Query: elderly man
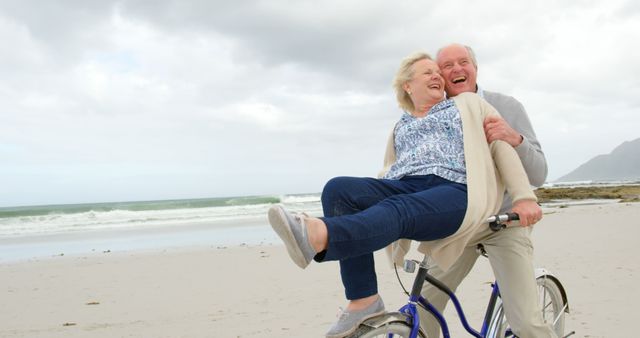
510 251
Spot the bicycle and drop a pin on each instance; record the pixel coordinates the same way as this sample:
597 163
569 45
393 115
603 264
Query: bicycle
406 321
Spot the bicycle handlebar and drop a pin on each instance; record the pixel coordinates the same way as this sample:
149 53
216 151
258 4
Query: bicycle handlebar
499 222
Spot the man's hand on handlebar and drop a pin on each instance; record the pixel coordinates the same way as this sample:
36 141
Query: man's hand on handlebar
529 211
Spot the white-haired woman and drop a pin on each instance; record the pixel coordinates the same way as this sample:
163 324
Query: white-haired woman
440 182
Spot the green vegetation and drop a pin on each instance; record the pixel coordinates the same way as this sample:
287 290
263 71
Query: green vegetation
626 193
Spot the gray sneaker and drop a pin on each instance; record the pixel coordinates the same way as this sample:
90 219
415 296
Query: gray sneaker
293 232
348 321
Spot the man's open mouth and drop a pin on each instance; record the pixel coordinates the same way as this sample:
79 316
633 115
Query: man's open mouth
459 79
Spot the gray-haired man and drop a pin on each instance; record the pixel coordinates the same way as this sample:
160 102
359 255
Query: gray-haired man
510 251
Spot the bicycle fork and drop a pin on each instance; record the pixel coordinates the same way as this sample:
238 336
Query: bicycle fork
415 296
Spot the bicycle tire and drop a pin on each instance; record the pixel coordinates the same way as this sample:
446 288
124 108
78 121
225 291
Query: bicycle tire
395 329
552 304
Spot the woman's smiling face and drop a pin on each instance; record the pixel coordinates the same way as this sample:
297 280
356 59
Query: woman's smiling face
427 85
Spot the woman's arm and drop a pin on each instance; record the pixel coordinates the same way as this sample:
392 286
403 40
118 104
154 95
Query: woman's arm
514 177
529 151
516 182
389 154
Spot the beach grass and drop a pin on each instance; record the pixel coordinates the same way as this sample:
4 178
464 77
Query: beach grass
625 193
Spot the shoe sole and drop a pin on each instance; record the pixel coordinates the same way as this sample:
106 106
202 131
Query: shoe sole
355 327
280 224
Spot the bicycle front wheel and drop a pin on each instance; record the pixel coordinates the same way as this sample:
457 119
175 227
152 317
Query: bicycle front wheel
550 302
396 330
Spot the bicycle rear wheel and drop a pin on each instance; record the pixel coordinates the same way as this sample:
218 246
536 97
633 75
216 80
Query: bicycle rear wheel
396 329
550 301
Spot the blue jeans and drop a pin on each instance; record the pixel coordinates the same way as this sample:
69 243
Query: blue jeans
367 214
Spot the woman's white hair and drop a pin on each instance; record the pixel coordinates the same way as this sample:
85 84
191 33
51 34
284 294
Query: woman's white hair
405 74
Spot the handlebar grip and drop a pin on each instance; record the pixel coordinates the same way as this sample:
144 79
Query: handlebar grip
513 216
498 222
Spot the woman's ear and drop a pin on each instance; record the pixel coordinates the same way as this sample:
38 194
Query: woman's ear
405 86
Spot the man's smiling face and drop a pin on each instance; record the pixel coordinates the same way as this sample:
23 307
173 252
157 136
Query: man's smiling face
458 70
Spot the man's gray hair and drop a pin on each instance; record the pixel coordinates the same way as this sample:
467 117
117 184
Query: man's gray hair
472 54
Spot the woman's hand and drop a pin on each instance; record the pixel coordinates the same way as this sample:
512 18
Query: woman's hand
529 211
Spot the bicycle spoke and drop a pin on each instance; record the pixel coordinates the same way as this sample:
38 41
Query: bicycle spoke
559 314
545 304
551 302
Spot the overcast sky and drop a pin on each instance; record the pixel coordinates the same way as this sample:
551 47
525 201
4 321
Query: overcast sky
145 100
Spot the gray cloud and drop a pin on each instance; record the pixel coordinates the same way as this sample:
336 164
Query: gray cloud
63 29
347 41
220 98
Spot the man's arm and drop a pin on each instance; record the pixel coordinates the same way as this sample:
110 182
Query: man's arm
516 125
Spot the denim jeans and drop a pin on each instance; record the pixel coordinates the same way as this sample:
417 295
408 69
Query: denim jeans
366 214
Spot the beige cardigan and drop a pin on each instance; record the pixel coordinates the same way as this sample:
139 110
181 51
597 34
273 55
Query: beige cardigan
490 168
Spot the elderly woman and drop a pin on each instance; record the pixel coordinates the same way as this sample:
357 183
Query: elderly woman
441 181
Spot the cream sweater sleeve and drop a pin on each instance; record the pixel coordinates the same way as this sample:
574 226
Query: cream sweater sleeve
389 154
509 166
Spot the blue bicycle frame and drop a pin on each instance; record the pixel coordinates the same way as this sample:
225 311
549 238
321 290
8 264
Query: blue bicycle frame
496 223
411 310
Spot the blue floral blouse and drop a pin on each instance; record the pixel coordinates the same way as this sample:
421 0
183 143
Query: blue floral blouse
430 145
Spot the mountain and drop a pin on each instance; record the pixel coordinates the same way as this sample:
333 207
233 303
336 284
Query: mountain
623 163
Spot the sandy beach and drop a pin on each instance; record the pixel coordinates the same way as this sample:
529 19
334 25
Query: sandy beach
255 291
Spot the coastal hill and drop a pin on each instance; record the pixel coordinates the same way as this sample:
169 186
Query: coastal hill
623 163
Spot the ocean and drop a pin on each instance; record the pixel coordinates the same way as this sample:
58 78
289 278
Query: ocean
69 218
47 230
